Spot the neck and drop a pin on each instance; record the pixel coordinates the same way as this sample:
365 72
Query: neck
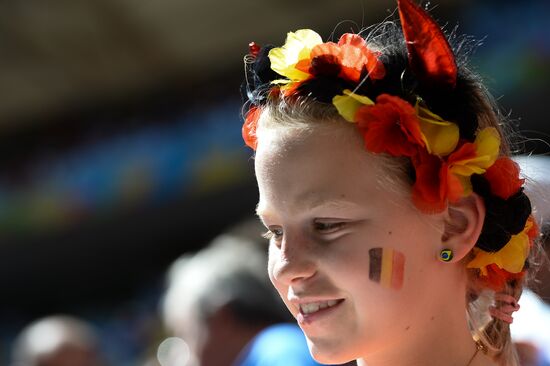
444 341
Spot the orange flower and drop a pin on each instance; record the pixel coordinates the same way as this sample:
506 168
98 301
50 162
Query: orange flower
390 126
324 59
356 57
249 127
349 59
496 277
503 177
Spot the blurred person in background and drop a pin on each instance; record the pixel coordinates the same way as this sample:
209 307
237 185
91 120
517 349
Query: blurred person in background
531 327
221 306
58 340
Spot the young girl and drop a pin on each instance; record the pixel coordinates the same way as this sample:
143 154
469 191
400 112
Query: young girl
399 230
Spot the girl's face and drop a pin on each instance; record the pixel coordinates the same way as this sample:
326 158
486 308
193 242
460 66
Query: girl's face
349 254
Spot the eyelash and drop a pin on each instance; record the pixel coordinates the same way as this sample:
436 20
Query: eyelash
271 234
328 227
320 227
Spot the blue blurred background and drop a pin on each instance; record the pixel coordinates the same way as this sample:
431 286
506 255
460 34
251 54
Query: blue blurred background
121 146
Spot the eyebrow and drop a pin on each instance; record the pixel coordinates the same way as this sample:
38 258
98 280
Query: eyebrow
312 201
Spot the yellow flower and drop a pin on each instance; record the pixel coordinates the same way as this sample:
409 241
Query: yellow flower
440 136
348 104
475 158
511 257
487 145
297 47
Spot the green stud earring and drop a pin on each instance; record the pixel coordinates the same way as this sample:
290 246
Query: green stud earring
446 255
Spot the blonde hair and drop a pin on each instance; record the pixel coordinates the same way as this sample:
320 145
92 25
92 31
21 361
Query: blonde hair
471 106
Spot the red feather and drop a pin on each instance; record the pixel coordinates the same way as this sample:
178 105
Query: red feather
430 54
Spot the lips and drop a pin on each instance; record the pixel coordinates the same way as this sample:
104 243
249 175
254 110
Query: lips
313 307
313 311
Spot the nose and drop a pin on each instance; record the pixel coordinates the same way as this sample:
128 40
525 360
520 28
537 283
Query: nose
294 261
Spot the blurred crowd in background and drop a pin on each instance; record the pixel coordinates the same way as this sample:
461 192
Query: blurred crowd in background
121 157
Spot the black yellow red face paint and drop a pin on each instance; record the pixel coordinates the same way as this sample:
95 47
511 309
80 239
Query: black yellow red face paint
387 267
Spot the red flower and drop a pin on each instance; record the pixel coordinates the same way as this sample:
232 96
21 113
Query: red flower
249 127
497 277
435 183
390 126
349 59
450 184
465 152
428 191
503 177
356 57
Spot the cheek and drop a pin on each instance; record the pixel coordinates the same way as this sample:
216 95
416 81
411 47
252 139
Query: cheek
272 266
282 290
387 267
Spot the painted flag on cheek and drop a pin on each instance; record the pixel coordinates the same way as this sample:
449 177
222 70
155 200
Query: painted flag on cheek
387 267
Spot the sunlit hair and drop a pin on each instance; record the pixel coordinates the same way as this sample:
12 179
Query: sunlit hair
468 104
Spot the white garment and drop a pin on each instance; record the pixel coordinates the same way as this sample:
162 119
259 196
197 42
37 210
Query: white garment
532 323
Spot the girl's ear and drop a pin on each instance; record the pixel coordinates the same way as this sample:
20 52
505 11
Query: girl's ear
463 226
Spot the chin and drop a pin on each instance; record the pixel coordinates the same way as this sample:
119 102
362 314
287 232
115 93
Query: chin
330 353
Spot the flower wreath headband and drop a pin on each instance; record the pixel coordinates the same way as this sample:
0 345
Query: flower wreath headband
449 162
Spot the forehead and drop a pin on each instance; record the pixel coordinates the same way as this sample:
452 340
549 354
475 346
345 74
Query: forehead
277 142
324 166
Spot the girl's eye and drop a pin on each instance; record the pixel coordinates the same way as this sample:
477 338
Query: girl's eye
273 232
328 227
